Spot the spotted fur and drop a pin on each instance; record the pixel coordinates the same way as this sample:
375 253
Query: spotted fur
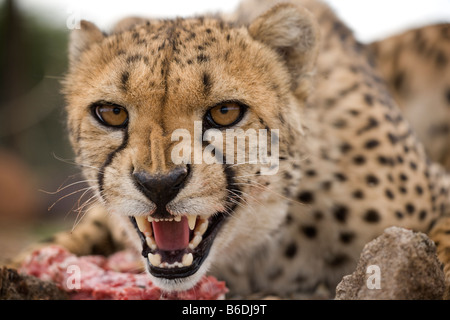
350 164
416 66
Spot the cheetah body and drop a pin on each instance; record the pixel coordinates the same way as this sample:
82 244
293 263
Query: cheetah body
350 164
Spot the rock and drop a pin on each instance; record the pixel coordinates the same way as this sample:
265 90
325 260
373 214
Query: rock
400 264
15 286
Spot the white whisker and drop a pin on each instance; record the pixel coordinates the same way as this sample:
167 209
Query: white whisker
68 195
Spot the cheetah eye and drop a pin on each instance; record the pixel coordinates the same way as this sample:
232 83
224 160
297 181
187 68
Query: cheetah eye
111 115
225 114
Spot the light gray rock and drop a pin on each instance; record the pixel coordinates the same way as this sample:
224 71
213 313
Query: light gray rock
400 264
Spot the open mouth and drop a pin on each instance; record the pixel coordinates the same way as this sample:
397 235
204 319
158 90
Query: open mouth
176 247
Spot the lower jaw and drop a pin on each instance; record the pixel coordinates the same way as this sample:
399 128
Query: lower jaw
178 272
179 284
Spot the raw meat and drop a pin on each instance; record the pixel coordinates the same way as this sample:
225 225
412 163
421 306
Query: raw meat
112 278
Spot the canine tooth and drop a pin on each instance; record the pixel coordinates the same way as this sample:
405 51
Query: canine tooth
155 259
194 242
148 233
143 225
202 228
150 219
177 218
187 259
151 243
191 221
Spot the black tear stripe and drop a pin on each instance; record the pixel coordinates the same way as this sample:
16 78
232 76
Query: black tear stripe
108 161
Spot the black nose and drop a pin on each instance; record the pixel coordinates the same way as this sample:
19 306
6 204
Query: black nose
161 188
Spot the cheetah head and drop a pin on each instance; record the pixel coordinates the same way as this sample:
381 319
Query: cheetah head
140 97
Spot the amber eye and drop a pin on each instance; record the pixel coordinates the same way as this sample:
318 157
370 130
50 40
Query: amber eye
225 114
111 115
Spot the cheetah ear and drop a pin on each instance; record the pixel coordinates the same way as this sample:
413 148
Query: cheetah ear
292 32
127 24
80 39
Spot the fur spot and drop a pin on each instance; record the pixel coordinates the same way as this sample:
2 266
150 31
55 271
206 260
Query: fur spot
340 213
389 194
340 177
207 84
419 190
345 147
291 250
202 58
372 216
403 189
422 215
447 96
392 138
398 81
134 58
371 144
410 208
359 159
340 124
326 185
441 59
287 176
368 98
386 161
309 231
306 197
337 260
371 124
98 224
124 80
346 237
318 215
358 194
371 180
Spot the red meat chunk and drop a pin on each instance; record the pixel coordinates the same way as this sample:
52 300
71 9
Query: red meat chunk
118 277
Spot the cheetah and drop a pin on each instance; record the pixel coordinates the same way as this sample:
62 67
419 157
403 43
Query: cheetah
349 164
416 67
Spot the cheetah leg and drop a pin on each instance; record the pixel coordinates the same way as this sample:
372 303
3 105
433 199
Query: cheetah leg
91 236
440 234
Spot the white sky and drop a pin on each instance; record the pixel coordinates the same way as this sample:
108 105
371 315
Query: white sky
370 19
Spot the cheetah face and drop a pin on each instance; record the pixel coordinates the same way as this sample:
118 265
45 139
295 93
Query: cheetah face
139 98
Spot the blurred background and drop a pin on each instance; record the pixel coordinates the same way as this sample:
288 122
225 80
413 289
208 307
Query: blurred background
36 162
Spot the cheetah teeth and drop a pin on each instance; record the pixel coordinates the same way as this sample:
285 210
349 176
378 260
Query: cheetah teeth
176 218
191 221
155 260
199 226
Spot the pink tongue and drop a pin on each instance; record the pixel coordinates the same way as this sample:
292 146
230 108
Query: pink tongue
171 235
